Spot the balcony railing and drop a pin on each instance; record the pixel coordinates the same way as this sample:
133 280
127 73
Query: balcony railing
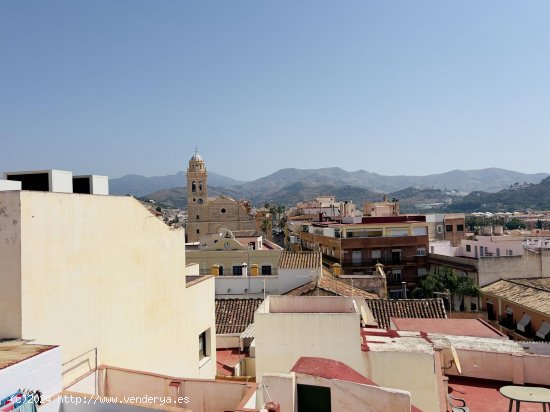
385 261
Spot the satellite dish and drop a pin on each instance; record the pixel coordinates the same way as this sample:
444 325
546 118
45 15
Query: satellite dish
455 359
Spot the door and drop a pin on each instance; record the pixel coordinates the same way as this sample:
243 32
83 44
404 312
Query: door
313 398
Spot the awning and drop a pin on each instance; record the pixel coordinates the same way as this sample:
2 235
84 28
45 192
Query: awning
249 332
544 330
523 322
509 310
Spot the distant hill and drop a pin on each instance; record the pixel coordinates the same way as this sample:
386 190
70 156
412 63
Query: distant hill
517 197
138 185
289 186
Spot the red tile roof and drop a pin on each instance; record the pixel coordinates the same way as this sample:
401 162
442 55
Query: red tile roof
340 288
383 309
235 315
331 286
300 260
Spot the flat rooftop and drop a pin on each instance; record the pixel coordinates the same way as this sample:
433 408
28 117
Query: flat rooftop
483 394
309 304
381 340
15 351
460 327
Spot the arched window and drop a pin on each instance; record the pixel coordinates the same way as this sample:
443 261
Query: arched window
193 186
200 185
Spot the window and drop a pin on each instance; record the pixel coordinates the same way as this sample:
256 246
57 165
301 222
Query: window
237 270
356 256
439 229
396 256
448 228
198 217
266 270
193 186
498 251
422 272
198 231
468 248
220 270
204 344
223 210
421 251
376 254
396 275
460 228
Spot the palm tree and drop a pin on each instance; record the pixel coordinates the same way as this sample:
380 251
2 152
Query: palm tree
266 227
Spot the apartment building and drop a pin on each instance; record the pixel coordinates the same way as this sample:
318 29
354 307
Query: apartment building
101 274
400 243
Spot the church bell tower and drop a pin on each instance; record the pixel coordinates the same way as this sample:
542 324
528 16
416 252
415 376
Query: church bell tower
197 198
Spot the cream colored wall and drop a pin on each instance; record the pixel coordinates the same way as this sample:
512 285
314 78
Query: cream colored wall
282 338
103 272
207 258
345 396
519 368
408 371
202 395
10 265
529 265
355 397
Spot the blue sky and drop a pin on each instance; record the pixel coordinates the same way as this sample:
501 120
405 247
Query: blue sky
394 87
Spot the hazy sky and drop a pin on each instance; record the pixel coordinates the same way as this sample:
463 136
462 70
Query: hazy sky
394 87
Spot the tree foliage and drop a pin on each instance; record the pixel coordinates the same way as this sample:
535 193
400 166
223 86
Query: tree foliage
445 280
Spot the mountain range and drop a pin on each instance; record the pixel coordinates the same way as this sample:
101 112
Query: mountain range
289 186
138 185
516 197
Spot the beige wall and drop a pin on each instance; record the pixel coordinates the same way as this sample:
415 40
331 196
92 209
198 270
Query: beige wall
519 368
282 338
345 396
529 265
10 265
202 395
207 258
103 272
415 372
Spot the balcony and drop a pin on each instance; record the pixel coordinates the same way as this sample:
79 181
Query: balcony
391 261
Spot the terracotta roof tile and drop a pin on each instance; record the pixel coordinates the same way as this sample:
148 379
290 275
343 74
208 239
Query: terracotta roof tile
530 293
383 309
235 315
299 260
343 289
333 286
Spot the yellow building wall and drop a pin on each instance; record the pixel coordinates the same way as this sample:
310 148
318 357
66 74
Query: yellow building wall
102 272
409 371
228 258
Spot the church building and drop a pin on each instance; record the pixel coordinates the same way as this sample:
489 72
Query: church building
210 215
